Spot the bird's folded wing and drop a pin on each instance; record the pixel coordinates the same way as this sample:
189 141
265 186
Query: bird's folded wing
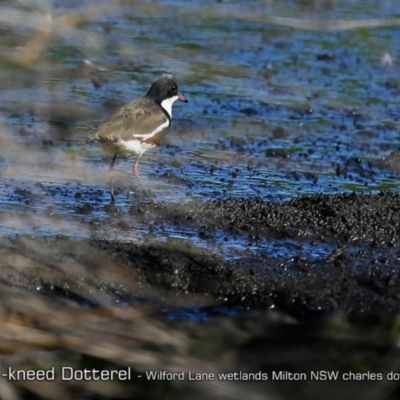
140 117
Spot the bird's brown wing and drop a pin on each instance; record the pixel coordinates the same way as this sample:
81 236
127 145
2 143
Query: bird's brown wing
139 117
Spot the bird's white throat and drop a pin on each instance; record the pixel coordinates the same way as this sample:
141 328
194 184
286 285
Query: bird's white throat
167 104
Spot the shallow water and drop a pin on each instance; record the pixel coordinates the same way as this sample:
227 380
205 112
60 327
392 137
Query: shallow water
285 99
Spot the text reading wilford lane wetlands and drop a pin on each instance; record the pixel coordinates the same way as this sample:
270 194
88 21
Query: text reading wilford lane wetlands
322 375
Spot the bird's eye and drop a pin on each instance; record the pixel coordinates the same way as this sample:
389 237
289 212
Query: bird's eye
174 88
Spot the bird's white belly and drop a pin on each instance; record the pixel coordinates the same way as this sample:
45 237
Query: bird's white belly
134 146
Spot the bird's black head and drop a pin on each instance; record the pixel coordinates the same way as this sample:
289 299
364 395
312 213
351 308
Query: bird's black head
163 89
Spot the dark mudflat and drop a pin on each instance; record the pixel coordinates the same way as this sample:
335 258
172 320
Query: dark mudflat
359 273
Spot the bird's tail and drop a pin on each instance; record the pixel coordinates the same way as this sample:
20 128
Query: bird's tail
93 135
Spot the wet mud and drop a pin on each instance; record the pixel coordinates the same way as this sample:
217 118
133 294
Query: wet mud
358 272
